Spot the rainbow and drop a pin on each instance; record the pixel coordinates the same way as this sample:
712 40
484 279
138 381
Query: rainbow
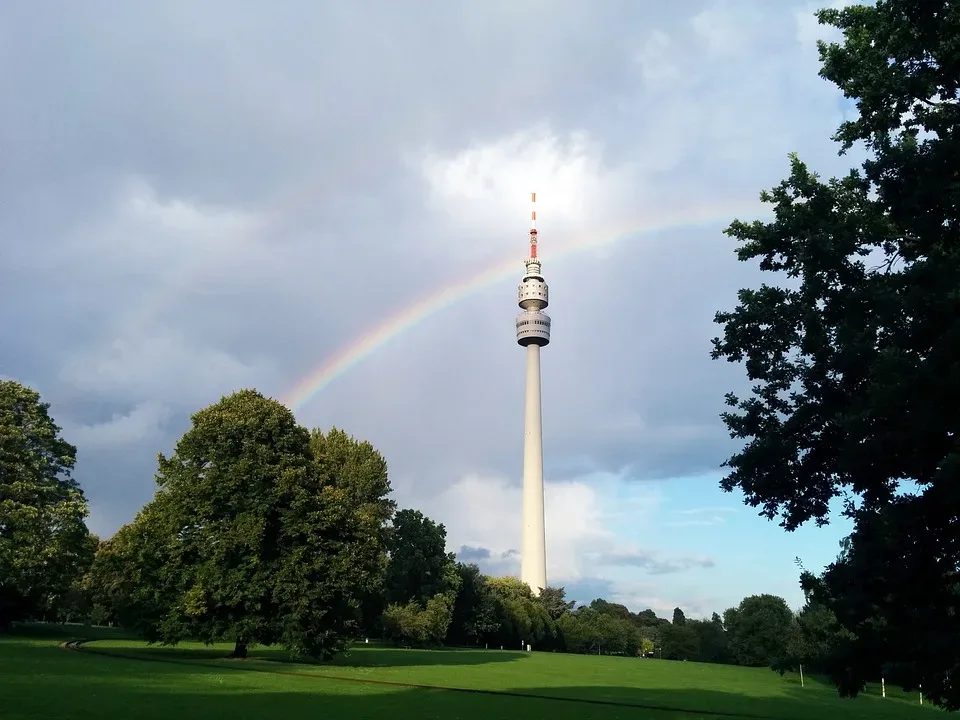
371 341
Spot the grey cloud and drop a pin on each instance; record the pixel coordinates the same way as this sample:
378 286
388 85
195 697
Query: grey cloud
468 554
112 317
651 563
491 563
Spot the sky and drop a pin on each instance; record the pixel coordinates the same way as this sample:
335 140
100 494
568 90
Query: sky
203 197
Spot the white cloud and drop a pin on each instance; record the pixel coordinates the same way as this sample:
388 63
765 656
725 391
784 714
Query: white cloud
582 518
483 191
808 29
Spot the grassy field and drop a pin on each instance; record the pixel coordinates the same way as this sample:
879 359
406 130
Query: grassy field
117 678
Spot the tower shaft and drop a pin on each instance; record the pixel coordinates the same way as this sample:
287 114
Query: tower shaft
533 558
533 332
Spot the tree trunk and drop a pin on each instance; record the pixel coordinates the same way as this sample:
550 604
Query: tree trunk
240 650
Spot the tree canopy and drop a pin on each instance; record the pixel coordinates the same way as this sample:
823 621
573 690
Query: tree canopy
259 532
853 351
44 543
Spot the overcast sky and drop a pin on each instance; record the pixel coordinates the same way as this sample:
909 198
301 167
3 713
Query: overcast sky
198 196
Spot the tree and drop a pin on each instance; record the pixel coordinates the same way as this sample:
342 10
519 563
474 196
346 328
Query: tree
614 610
354 477
127 581
474 611
554 599
250 537
647 618
758 630
45 546
588 630
411 624
854 361
680 641
714 644
521 617
678 617
419 561
422 580
819 641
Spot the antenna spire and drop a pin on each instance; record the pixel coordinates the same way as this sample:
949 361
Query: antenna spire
533 226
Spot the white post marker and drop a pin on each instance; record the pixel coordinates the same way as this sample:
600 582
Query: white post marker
801 674
883 687
921 693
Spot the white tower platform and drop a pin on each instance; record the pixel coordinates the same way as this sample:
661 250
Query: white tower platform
533 332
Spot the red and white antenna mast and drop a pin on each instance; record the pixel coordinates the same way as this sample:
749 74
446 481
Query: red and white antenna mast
533 226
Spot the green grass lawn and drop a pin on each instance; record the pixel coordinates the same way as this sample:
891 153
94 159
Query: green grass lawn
124 679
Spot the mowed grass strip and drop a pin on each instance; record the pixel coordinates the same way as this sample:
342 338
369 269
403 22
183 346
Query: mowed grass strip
693 687
39 680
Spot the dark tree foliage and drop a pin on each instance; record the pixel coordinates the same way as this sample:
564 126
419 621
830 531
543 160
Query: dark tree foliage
474 611
680 642
855 357
418 558
554 599
714 645
45 546
759 630
615 610
647 617
678 617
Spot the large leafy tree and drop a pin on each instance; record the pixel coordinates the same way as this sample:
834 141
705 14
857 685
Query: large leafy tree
126 582
554 599
854 353
522 618
759 630
422 580
474 611
419 562
259 533
590 630
818 642
45 546
714 645
356 488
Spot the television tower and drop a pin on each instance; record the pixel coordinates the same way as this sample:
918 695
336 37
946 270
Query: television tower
533 332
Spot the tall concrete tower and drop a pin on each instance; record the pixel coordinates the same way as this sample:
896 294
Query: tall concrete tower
533 332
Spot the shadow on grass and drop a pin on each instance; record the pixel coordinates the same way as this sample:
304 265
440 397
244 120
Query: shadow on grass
402 657
356 657
87 687
65 631
44 681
